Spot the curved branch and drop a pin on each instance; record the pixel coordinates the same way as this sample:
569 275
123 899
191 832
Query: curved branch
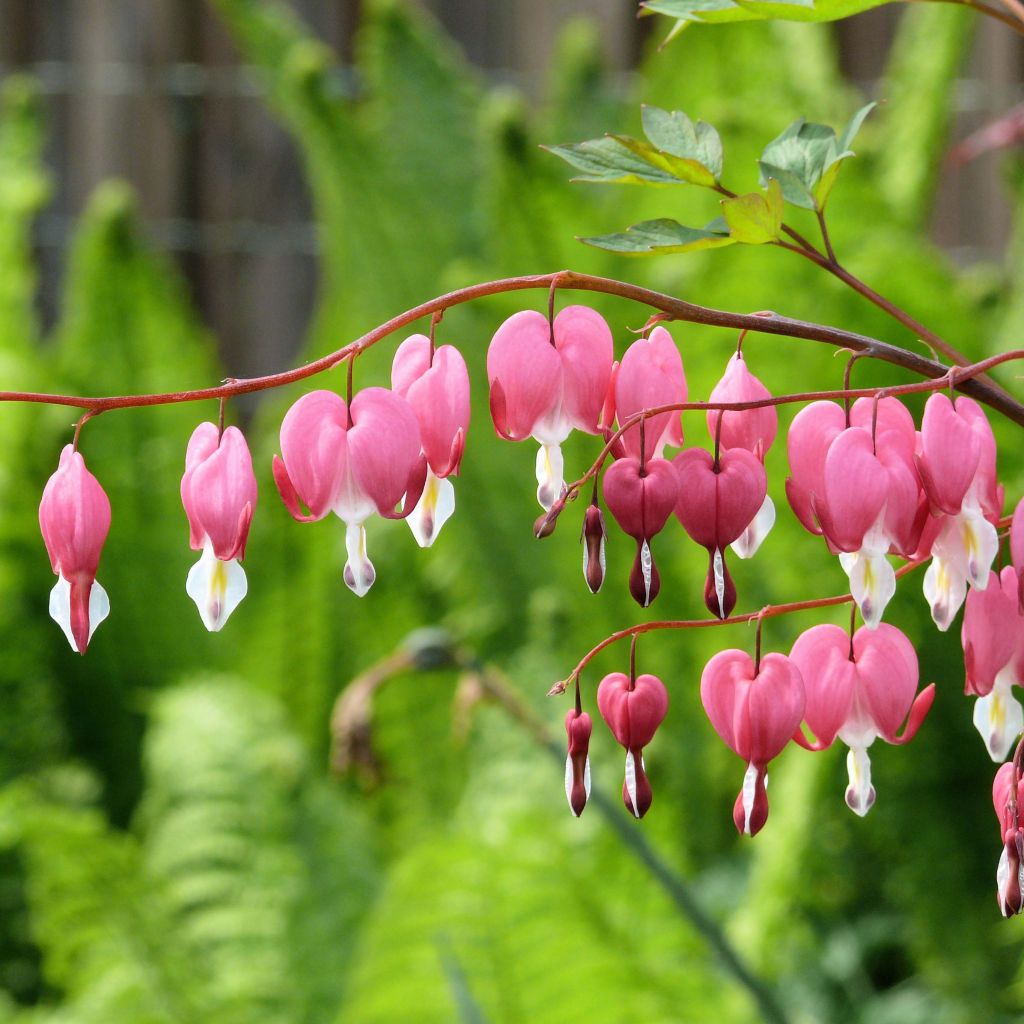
677 309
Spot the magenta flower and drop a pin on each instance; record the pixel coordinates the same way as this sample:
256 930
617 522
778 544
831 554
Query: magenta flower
352 462
74 517
593 537
751 429
437 389
641 498
993 642
633 711
755 710
578 728
650 375
545 381
1008 800
716 504
218 491
858 690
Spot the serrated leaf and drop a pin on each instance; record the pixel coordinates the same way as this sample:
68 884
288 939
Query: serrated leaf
720 11
607 161
709 11
656 237
689 171
673 132
756 218
793 188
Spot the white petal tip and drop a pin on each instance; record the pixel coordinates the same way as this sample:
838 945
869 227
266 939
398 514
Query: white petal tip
217 587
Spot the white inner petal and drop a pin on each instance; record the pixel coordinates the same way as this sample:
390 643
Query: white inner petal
749 541
1002 872
860 796
631 782
359 572
749 793
550 472
980 545
216 586
433 510
60 608
945 588
872 582
646 570
719 569
568 781
999 717
586 776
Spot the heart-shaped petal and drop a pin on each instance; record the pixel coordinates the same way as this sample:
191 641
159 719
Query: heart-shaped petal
633 715
641 502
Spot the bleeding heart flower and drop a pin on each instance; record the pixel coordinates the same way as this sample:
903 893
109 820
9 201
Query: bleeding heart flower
577 762
752 429
965 541
218 492
546 380
755 710
633 712
74 517
436 386
1008 799
641 498
716 503
352 462
858 690
651 375
993 638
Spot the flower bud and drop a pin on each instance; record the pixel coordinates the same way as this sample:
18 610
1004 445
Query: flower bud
578 728
593 547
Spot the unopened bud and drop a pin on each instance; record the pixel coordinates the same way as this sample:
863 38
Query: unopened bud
578 728
593 547
750 812
547 521
558 689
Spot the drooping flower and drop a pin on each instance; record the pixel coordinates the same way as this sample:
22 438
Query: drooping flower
650 375
1008 799
859 689
992 637
752 429
641 497
352 462
633 711
436 386
218 491
578 728
956 459
755 710
716 503
547 379
74 517
858 487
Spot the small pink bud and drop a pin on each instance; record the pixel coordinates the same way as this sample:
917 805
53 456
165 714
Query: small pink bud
593 547
578 728
633 714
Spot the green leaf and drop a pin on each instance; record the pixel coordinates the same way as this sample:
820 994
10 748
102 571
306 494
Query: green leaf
690 171
793 188
805 159
608 161
721 11
755 218
655 237
673 132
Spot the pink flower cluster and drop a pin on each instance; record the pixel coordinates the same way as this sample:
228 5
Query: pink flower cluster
354 460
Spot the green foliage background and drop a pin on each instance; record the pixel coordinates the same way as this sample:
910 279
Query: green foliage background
172 845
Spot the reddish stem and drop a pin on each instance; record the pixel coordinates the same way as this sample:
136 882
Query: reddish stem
675 308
